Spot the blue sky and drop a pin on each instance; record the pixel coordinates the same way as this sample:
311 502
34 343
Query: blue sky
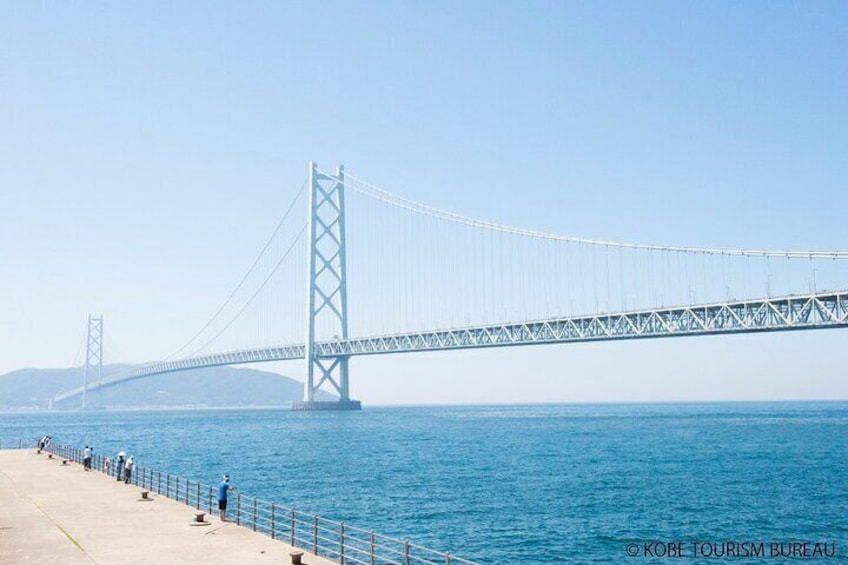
147 150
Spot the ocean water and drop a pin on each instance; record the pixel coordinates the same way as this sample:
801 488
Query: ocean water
519 484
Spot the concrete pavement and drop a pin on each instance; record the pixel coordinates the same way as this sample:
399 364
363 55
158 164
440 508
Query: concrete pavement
50 513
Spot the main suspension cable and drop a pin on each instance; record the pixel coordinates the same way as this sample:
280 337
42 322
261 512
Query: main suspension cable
243 279
372 191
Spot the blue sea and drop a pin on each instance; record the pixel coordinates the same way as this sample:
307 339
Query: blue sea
520 484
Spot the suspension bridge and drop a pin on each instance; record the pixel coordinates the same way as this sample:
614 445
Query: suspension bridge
376 273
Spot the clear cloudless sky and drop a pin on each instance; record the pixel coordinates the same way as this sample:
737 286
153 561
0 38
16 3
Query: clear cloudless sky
147 150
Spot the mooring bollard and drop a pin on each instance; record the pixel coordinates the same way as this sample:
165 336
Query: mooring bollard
144 496
295 557
199 519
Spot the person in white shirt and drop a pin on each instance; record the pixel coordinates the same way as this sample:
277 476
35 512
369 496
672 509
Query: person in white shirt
128 469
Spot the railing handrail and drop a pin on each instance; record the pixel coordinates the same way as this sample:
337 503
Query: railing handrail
18 443
323 537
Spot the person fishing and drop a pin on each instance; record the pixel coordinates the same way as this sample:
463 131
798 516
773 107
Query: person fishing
223 490
119 466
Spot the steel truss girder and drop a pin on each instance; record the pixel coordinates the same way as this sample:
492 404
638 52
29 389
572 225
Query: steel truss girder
773 314
807 312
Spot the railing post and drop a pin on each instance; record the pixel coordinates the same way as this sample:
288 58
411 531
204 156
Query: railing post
254 514
238 509
159 482
211 497
315 534
273 535
198 495
371 543
341 543
293 523
406 552
447 558
168 486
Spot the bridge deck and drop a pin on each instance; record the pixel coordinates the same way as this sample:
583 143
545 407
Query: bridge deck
50 513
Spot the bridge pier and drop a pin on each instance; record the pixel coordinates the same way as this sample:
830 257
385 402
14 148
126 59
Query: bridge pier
318 405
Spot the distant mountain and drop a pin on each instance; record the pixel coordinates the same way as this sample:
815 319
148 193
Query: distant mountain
31 389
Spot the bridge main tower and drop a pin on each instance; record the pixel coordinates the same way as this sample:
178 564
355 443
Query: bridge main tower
327 288
93 353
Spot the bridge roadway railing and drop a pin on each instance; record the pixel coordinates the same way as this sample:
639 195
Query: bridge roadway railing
796 312
311 533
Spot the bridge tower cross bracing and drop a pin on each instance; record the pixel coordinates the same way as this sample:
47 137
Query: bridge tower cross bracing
327 289
93 353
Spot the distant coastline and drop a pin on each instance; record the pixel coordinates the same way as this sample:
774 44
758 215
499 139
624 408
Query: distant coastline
220 388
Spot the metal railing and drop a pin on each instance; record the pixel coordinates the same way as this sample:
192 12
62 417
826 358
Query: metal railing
323 537
18 443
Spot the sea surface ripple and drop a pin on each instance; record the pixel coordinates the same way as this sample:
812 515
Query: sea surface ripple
510 484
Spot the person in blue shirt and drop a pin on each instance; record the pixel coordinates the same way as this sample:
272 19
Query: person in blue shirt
119 466
223 488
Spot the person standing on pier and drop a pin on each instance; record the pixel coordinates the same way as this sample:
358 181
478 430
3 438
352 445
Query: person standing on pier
223 489
119 466
128 469
86 458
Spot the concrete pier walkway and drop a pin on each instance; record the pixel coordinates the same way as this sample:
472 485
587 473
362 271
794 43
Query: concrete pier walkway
60 514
